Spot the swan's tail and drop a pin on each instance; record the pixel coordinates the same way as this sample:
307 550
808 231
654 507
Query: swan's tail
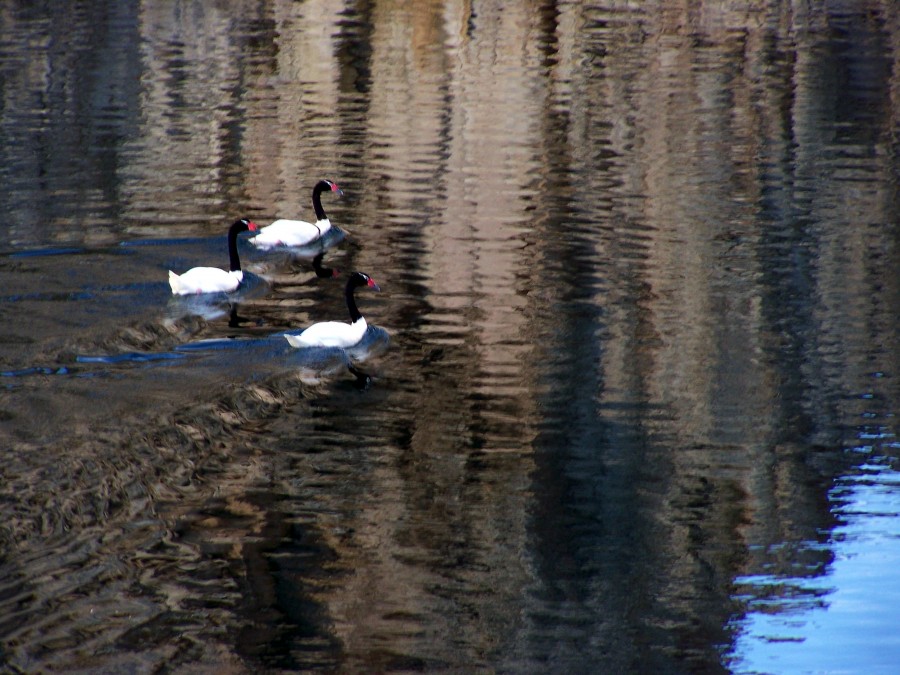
294 340
178 288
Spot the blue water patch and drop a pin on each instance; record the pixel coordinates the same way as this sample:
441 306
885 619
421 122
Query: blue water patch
21 373
67 296
842 616
140 287
220 344
34 253
183 241
129 357
35 370
51 251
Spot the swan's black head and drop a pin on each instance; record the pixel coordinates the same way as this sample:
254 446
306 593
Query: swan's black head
326 184
243 225
359 279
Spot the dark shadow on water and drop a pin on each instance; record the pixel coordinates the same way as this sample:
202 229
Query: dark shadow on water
284 627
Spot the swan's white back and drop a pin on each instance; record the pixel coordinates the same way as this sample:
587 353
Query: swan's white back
290 233
330 334
205 280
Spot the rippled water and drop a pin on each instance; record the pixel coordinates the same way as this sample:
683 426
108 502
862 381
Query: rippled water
627 402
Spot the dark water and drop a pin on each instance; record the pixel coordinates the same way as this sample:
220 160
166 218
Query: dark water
628 403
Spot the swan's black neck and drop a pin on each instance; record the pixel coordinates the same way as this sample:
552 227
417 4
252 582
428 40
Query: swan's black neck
357 279
320 187
355 314
236 228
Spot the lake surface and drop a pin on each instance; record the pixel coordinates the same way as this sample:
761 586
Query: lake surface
628 398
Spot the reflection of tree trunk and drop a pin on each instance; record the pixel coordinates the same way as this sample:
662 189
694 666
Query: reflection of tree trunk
292 133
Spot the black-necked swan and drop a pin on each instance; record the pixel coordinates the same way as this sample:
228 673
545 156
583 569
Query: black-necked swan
337 333
213 279
285 232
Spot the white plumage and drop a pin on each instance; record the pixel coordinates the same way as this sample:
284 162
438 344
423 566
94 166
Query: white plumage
212 279
337 333
205 280
284 232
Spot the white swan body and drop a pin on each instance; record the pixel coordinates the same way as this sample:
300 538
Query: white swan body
205 280
284 232
330 334
337 333
212 279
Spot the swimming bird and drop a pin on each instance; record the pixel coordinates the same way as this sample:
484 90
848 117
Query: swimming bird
285 232
338 333
213 279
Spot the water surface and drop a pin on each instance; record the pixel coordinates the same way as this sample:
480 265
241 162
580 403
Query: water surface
628 398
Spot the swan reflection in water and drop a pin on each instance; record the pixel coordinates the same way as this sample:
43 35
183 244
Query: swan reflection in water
317 364
212 306
313 365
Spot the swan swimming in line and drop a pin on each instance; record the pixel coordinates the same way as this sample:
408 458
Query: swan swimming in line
338 333
213 279
285 232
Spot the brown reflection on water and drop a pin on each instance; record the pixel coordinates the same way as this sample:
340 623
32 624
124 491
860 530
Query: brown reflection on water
446 200
292 133
637 268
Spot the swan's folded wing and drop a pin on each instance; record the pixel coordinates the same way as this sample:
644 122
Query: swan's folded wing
204 280
285 232
329 334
